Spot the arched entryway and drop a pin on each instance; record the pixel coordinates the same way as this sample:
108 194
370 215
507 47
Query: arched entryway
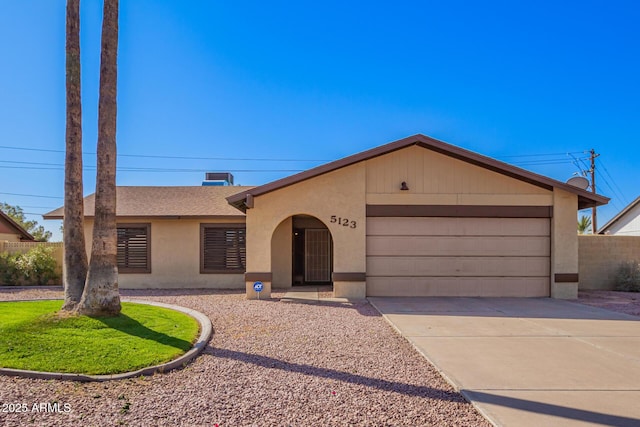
302 253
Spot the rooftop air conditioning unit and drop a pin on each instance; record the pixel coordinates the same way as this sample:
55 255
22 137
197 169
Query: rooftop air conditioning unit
218 179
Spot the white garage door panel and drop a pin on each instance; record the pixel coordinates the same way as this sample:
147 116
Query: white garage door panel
410 226
458 286
458 266
458 246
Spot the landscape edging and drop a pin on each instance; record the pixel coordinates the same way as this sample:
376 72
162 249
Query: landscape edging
206 330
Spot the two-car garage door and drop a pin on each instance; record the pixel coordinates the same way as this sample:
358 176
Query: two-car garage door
454 256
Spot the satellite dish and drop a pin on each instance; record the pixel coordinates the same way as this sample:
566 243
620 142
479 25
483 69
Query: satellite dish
579 181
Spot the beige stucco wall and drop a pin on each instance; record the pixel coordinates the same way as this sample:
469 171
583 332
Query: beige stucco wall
175 256
340 193
436 179
281 247
432 178
564 243
600 257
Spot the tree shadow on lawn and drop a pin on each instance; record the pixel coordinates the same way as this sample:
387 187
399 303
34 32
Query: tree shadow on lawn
380 384
130 326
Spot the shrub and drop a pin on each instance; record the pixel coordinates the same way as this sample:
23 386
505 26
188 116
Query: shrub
628 277
9 274
35 267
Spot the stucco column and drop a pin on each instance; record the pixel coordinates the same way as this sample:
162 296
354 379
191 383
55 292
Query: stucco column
258 256
564 245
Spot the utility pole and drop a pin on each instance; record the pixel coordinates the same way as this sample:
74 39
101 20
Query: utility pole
594 212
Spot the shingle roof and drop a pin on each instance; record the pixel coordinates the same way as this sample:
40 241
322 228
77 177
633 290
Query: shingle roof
619 216
25 236
585 198
194 201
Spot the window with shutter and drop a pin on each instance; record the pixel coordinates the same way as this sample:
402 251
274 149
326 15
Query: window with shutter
134 248
222 248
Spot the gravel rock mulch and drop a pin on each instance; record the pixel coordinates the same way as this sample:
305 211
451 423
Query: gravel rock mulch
622 302
270 363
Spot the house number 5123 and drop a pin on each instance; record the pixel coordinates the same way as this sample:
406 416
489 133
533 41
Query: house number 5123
345 222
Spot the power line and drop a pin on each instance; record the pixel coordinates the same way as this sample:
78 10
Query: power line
620 193
31 195
613 202
29 163
36 207
537 155
59 166
155 170
149 156
543 162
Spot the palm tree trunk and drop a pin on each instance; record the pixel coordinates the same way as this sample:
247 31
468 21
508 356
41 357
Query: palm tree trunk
75 254
101 296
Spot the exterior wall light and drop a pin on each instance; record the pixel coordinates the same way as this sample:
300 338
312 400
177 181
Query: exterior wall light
404 186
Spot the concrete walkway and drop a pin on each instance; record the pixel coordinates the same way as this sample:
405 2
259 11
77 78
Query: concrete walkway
529 362
311 294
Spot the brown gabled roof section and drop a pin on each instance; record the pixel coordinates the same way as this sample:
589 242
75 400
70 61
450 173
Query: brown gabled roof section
7 223
618 217
585 198
166 202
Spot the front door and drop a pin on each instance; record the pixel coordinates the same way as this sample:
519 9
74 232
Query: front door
317 255
311 256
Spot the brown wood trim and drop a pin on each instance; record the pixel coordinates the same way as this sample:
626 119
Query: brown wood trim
464 211
249 201
349 277
255 277
565 277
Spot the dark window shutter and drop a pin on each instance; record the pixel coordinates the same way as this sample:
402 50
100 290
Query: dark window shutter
223 249
133 249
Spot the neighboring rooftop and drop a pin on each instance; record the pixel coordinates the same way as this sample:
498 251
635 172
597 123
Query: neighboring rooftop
605 228
174 202
9 226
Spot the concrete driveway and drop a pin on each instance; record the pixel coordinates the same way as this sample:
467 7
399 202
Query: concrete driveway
529 362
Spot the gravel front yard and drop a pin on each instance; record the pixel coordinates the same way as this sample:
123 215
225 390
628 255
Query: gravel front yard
270 363
623 302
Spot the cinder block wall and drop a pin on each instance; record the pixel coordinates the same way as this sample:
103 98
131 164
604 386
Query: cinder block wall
600 256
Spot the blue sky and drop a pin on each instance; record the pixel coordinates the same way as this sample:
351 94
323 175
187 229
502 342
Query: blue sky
306 82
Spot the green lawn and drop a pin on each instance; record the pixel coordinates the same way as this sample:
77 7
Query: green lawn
33 337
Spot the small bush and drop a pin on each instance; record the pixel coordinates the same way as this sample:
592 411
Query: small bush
628 277
9 274
36 267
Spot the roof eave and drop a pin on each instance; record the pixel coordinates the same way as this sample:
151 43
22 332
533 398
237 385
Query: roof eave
585 198
24 234
213 216
237 200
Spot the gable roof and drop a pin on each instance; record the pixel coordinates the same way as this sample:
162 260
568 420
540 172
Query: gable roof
166 202
619 216
585 198
9 223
